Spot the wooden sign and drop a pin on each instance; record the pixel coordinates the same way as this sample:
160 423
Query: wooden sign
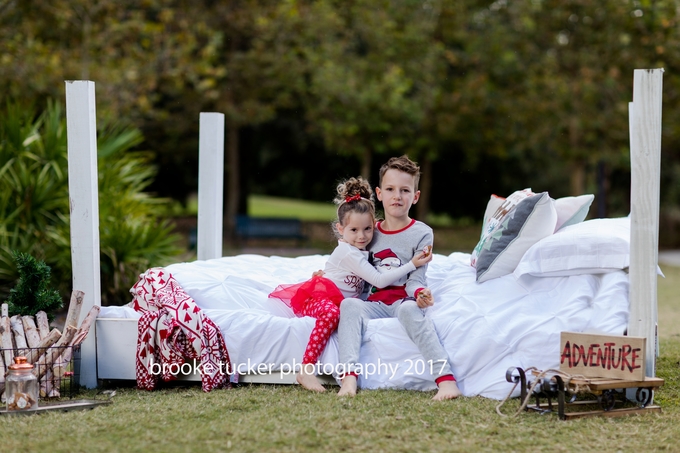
607 356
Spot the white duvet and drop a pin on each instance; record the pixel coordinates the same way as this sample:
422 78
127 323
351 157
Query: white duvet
485 328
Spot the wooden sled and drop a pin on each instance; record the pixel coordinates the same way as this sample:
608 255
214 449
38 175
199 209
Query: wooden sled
611 396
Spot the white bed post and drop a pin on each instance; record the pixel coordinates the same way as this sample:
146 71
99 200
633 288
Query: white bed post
81 133
210 185
645 161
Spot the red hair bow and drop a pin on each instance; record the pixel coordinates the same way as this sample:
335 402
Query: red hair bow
352 198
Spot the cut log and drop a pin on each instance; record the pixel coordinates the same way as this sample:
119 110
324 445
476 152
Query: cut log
2 366
2 373
45 343
7 342
74 308
31 331
48 386
86 324
19 336
51 354
61 363
4 310
2 348
45 384
43 324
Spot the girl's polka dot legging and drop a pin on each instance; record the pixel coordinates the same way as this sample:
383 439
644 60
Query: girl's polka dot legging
327 316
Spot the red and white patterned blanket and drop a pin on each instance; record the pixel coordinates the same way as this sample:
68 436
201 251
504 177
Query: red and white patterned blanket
172 330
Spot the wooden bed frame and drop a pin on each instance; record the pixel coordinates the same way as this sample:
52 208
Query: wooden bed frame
110 353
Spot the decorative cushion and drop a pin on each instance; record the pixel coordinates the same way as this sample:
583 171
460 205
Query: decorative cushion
572 210
533 219
592 247
492 206
496 210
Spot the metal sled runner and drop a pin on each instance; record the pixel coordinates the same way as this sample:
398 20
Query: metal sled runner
555 391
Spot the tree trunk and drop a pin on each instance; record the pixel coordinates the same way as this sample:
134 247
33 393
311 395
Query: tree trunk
366 162
233 181
577 178
602 189
425 187
577 181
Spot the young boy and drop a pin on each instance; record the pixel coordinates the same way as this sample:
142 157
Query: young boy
395 241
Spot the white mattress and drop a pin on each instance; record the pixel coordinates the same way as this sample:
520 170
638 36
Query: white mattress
485 328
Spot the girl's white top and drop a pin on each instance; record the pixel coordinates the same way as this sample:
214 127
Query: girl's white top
348 268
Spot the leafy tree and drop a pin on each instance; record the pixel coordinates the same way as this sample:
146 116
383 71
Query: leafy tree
566 69
34 202
498 94
359 93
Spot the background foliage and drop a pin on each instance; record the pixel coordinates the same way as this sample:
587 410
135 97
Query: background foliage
491 95
34 202
488 96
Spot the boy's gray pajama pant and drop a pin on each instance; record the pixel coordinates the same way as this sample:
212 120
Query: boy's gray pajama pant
354 317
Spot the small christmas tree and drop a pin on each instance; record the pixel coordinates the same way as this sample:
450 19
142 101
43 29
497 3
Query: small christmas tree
32 293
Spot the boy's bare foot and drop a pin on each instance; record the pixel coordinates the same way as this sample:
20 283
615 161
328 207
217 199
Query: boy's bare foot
349 386
308 380
448 390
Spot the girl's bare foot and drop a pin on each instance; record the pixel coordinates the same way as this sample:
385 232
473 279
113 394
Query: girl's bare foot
448 390
349 386
308 380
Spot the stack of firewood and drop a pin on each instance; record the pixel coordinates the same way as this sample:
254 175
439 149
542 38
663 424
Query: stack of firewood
48 350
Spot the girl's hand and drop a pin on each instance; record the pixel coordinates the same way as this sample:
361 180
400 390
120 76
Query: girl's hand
422 258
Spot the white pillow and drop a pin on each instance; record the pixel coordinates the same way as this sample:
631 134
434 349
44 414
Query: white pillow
530 221
572 210
592 247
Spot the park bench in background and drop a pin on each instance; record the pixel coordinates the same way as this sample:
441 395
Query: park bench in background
269 228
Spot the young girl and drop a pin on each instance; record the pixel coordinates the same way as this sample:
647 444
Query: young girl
344 274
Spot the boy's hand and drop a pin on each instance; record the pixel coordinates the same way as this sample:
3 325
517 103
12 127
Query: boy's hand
425 298
318 273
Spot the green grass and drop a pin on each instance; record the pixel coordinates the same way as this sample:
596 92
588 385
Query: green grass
669 303
286 418
267 206
254 418
264 206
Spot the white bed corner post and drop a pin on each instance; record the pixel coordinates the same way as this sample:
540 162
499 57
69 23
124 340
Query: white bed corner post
81 133
210 186
645 161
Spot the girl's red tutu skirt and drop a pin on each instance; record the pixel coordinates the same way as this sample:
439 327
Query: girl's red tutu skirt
298 295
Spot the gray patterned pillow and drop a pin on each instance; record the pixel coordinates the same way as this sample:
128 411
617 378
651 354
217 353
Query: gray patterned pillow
533 219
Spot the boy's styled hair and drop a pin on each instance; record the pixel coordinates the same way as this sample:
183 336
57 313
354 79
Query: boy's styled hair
404 164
